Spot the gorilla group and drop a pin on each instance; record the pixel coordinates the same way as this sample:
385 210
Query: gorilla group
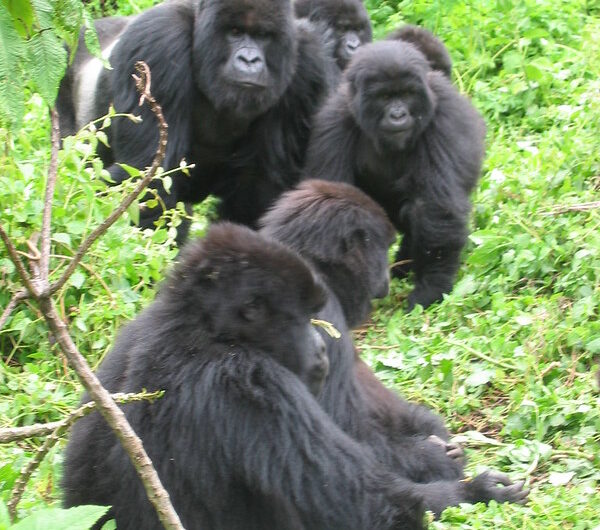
238 439
399 130
345 236
238 82
266 423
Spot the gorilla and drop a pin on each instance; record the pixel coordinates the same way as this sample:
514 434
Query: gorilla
428 44
238 439
401 132
348 20
345 235
238 82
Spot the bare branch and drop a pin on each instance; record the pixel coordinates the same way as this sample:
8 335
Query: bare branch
115 417
17 297
581 207
142 83
50 185
16 434
54 431
14 256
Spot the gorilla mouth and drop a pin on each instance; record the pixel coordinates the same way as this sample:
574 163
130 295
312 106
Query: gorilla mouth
397 127
251 83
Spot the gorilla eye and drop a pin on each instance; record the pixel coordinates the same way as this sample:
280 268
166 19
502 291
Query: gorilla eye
235 31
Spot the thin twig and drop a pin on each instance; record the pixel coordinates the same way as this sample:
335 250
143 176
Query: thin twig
16 434
17 297
109 410
14 256
54 431
142 82
480 355
580 207
49 196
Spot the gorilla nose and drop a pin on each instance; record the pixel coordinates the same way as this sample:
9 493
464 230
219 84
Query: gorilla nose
397 114
249 60
352 43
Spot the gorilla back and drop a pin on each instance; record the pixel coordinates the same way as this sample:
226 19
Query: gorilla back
345 235
238 439
238 81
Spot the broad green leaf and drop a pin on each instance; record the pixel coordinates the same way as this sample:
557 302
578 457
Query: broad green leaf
22 14
12 50
47 61
77 518
43 14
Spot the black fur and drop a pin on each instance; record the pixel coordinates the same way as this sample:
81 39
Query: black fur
348 20
402 133
237 439
238 82
346 235
430 46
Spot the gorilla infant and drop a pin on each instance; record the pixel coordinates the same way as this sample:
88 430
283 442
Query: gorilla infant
238 440
402 133
345 235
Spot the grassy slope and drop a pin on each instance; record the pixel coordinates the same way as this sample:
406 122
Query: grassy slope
509 354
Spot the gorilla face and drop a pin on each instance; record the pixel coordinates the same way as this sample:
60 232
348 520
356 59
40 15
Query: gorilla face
245 53
348 19
390 98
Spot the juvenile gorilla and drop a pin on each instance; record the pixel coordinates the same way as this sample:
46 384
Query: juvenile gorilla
402 133
428 44
238 440
238 81
346 235
348 20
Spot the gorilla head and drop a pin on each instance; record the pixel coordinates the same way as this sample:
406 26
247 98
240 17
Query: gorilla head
431 46
390 97
348 19
244 53
344 233
270 296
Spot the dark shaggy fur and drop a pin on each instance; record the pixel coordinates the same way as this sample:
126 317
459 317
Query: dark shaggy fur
348 21
237 439
402 133
431 47
346 235
238 82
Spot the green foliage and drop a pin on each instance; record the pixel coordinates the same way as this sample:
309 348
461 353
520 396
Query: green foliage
508 358
32 37
77 518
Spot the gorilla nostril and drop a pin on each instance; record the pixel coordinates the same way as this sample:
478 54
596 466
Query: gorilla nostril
398 114
249 57
352 44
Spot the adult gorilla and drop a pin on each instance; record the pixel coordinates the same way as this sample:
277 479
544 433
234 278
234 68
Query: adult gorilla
238 440
238 81
403 133
348 21
346 236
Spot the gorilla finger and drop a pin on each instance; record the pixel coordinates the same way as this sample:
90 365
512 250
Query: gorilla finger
499 478
454 451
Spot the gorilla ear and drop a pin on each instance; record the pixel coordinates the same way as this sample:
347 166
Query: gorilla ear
253 309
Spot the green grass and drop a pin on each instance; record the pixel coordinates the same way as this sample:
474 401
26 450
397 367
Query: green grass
508 358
